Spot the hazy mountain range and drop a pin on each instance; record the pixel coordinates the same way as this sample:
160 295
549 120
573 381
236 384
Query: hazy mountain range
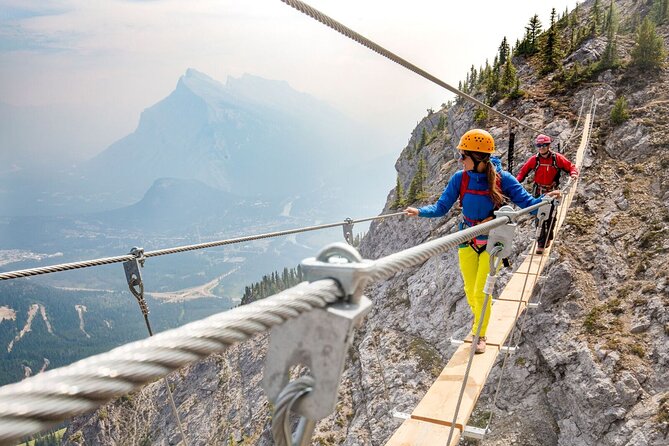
249 137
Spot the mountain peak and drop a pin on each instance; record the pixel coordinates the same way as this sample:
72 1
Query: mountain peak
201 84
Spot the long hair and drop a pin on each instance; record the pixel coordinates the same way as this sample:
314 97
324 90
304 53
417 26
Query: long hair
494 190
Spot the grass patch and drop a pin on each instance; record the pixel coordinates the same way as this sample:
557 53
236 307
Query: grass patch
663 410
429 359
593 321
637 350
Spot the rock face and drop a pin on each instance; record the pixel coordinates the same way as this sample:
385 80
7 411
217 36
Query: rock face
593 361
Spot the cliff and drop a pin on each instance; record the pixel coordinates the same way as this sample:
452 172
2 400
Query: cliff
592 365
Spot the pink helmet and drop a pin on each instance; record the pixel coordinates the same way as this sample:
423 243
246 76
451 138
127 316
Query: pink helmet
543 139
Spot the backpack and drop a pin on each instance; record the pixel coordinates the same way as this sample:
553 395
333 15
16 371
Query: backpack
464 183
537 164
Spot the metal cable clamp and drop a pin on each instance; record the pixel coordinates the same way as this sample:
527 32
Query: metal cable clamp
319 339
348 230
133 275
545 211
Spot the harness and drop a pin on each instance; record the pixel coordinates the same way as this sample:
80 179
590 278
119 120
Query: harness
464 189
539 189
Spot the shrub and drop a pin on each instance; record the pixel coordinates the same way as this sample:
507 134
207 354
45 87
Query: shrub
648 52
619 112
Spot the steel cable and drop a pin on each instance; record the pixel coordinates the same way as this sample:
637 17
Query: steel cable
43 400
495 262
160 252
294 390
342 29
53 396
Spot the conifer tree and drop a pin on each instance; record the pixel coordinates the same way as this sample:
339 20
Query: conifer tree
441 125
399 201
660 11
508 80
533 30
610 56
416 187
503 51
619 113
595 17
648 52
423 139
552 47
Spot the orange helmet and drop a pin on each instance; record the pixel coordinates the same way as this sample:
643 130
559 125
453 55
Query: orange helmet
477 140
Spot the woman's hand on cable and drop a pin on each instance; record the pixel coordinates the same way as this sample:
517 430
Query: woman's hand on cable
555 194
411 212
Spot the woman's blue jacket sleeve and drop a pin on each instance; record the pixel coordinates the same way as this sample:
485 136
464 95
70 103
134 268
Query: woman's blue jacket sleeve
445 202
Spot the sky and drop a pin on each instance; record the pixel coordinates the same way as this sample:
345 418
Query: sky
106 61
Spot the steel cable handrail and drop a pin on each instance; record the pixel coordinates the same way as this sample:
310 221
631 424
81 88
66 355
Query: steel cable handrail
160 252
43 400
348 32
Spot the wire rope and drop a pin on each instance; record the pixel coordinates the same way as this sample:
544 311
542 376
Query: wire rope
160 252
348 32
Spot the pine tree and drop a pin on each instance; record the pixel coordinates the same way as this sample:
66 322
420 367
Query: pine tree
610 56
533 29
441 125
648 53
660 11
619 113
399 201
552 47
416 191
503 51
595 17
423 139
508 80
472 78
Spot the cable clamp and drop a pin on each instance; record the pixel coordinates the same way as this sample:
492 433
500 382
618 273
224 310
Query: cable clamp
348 230
342 263
544 211
320 339
133 275
500 239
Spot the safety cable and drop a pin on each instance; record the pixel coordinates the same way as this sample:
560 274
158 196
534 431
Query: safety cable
342 29
562 209
573 130
382 367
124 258
43 400
495 262
294 390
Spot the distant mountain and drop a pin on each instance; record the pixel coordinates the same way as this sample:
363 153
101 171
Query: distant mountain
249 137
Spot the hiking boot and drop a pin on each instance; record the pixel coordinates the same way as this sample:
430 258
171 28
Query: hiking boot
480 347
540 249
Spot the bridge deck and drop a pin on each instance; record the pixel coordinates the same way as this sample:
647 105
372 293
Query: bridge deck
431 420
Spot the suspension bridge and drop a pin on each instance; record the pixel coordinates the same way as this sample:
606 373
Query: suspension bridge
311 324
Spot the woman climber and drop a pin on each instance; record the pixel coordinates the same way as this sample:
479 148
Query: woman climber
478 200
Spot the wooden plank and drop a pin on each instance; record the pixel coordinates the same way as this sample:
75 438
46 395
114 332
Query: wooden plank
519 282
421 433
533 264
502 320
438 405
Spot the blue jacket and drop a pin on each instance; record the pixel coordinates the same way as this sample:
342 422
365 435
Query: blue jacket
478 207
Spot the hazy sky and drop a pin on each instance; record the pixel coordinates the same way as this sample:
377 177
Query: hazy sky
116 57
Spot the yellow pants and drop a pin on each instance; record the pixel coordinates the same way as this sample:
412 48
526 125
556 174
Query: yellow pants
475 268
